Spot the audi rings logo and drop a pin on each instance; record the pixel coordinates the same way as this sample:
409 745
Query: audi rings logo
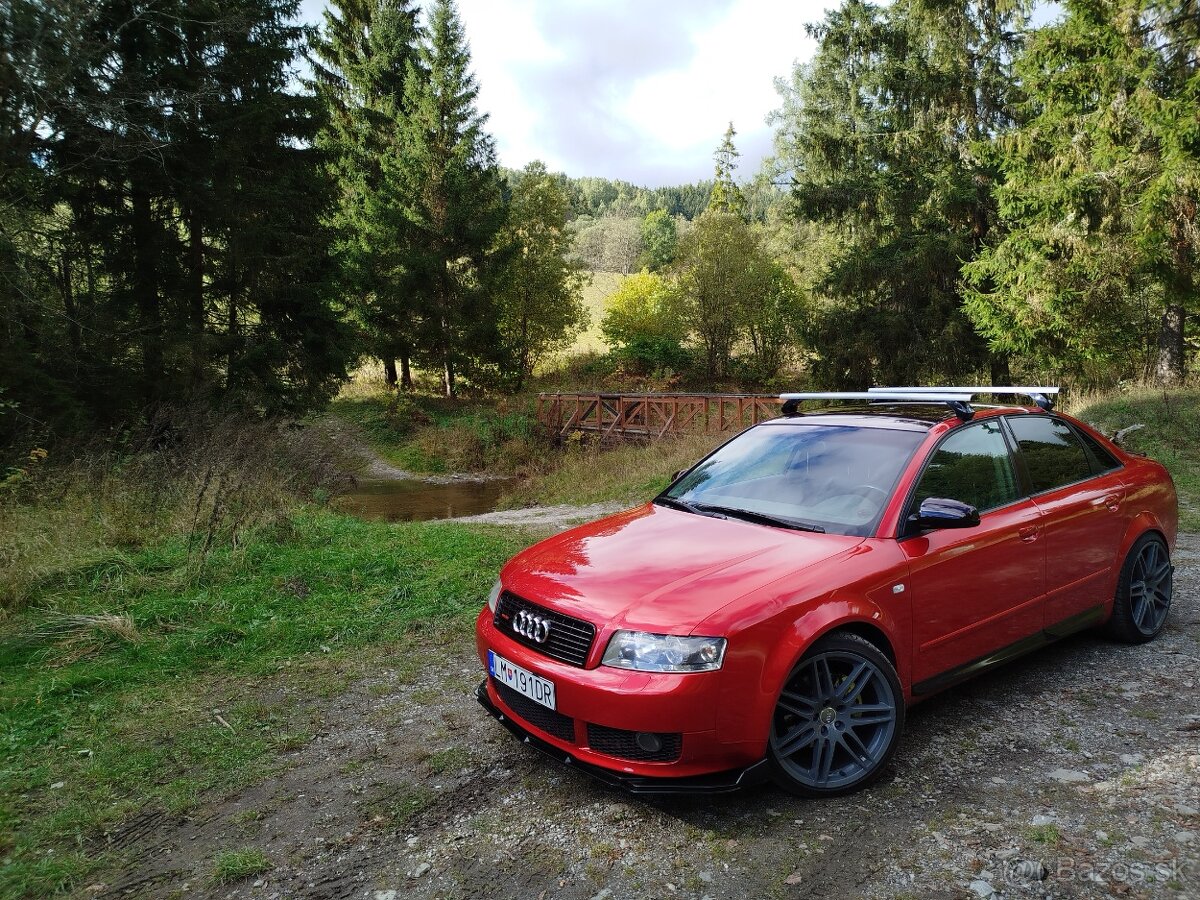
535 628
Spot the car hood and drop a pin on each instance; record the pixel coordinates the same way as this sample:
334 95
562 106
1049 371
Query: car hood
661 569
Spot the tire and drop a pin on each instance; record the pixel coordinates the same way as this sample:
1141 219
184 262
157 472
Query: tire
815 748
1144 591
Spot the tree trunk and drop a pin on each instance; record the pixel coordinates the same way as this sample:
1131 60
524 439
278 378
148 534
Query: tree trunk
1001 376
196 292
448 378
67 278
1171 368
389 372
405 370
145 287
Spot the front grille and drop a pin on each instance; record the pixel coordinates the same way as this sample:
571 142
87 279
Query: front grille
549 721
622 743
569 640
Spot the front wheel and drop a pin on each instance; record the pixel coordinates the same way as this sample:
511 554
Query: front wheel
838 718
1143 592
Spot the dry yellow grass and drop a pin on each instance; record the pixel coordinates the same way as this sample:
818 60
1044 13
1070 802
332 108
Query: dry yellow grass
628 473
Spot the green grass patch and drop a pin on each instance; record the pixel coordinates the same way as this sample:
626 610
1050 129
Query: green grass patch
1171 435
234 865
1044 834
146 691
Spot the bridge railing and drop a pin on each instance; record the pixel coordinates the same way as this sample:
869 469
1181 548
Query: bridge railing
652 415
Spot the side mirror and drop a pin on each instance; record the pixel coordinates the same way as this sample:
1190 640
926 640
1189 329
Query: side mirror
939 512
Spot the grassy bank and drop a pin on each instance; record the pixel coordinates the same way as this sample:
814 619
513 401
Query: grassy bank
627 473
135 683
431 435
1171 435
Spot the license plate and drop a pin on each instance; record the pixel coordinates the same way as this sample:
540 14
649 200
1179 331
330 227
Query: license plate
536 688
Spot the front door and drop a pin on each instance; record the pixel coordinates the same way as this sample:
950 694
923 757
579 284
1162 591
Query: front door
974 590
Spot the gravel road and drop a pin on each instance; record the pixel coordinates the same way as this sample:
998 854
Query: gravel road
1071 773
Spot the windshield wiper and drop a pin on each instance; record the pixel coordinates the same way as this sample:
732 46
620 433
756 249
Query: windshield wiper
761 518
712 513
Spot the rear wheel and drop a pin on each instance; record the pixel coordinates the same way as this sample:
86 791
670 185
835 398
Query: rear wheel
838 718
1143 592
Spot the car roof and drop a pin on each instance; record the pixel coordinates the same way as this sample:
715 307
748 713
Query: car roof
897 416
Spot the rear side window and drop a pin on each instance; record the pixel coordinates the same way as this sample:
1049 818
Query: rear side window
1102 460
1053 454
972 465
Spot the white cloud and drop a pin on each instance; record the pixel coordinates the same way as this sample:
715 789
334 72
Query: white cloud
633 89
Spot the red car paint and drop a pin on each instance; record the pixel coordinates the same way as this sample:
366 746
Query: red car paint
935 602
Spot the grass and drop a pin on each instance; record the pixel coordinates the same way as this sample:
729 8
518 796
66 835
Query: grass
595 298
234 865
627 473
140 684
1170 435
433 435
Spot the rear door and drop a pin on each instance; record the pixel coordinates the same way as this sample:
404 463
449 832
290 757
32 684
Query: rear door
1079 490
974 590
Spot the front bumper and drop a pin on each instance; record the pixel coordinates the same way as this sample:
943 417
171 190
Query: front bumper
715 783
677 707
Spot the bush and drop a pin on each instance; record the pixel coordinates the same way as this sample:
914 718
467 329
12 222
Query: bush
645 325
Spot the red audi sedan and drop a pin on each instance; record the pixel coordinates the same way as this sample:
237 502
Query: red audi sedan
774 612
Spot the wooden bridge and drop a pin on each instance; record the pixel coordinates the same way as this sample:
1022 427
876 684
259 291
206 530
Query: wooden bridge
652 415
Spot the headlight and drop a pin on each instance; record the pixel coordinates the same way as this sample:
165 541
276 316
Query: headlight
494 596
664 652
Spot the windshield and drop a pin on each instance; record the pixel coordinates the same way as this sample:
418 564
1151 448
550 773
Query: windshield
833 478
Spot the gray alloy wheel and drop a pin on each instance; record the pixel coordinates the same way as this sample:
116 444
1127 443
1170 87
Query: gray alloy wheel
838 718
1143 592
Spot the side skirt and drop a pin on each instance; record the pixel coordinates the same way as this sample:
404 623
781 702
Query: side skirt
1068 626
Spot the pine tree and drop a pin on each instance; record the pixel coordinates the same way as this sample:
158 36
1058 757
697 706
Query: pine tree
726 196
448 188
1101 194
879 136
363 57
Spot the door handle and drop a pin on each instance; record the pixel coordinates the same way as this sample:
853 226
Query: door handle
1029 533
1113 502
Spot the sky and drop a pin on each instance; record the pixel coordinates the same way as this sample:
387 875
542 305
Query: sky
640 90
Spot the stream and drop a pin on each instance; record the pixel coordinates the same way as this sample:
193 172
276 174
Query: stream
415 500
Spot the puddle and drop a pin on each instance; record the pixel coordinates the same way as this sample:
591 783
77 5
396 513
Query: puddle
411 500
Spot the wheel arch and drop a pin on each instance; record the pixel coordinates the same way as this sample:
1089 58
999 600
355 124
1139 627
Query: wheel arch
855 615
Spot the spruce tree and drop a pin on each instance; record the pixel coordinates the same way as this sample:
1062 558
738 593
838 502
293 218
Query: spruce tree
1101 195
363 56
447 187
726 196
879 135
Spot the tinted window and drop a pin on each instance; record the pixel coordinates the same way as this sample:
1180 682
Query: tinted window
835 476
972 465
1102 460
1052 453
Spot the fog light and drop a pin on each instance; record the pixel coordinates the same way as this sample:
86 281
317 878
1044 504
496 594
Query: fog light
648 741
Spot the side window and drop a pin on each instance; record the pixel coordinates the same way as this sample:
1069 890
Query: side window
1052 453
972 465
1102 460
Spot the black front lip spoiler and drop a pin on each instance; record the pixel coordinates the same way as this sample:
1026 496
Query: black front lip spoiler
717 783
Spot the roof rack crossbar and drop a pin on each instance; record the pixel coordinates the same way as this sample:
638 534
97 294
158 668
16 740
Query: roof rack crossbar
957 401
1042 396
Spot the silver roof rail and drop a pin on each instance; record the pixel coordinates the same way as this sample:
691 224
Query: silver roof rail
1042 396
956 400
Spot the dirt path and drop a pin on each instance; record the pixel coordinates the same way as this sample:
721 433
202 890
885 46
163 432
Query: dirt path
1071 773
555 516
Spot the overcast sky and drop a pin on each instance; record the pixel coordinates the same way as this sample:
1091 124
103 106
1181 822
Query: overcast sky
634 89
